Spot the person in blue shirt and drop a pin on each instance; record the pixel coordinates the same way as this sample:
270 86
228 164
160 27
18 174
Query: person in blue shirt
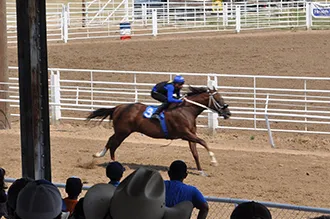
114 172
176 191
164 91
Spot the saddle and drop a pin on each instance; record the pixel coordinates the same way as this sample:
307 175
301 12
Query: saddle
148 113
150 110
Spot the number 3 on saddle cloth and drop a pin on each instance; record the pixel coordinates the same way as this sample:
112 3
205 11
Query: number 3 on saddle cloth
148 113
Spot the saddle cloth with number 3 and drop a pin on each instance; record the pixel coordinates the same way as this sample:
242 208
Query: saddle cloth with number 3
148 113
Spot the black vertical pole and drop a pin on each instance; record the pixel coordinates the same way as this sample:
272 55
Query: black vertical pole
4 107
33 88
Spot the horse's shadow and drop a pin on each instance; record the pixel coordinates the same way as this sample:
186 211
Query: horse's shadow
161 168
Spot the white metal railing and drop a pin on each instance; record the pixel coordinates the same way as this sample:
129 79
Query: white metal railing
263 103
54 16
98 19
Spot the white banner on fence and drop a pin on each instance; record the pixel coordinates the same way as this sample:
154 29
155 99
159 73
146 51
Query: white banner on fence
320 10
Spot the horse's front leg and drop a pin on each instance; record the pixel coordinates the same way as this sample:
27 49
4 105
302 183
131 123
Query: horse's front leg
194 152
191 137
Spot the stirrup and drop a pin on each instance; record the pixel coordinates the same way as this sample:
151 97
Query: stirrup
155 116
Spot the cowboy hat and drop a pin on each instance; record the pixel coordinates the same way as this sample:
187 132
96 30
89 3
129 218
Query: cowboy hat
142 195
182 210
97 201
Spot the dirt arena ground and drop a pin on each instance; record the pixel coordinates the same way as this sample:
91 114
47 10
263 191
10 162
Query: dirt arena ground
296 172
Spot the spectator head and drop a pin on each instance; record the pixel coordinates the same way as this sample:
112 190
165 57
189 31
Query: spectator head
251 210
13 192
2 178
39 199
115 171
178 170
73 187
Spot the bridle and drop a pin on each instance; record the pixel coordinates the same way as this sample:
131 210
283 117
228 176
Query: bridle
212 100
215 103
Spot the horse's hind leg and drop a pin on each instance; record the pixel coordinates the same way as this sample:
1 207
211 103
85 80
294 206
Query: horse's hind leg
114 142
105 149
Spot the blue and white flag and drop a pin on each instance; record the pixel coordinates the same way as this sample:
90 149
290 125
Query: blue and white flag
320 10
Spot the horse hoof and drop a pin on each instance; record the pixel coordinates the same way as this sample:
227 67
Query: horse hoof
96 155
202 173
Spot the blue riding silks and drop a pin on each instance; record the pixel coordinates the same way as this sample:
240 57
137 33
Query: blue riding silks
148 113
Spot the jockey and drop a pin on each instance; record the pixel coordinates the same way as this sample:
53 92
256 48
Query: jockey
164 91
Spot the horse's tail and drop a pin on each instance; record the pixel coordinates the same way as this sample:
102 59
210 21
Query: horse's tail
101 113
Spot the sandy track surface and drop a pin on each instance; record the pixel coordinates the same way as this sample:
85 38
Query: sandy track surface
248 169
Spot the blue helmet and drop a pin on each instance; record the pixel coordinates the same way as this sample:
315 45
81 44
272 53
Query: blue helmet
178 79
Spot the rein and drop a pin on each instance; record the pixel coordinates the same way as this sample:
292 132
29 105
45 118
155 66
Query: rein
211 100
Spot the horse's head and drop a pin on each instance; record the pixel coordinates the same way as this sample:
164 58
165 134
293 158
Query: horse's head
217 103
211 99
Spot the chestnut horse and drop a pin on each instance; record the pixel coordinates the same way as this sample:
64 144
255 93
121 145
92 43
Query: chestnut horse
180 120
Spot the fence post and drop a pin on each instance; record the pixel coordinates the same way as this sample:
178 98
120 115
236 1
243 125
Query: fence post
84 12
77 95
204 12
55 97
168 11
212 117
126 10
154 22
308 15
136 97
144 14
133 10
62 22
68 10
52 97
305 94
92 90
268 125
4 76
65 24
225 14
238 18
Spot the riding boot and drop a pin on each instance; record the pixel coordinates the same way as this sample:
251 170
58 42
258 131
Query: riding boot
162 107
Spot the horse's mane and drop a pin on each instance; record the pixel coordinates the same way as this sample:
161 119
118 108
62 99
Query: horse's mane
196 90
